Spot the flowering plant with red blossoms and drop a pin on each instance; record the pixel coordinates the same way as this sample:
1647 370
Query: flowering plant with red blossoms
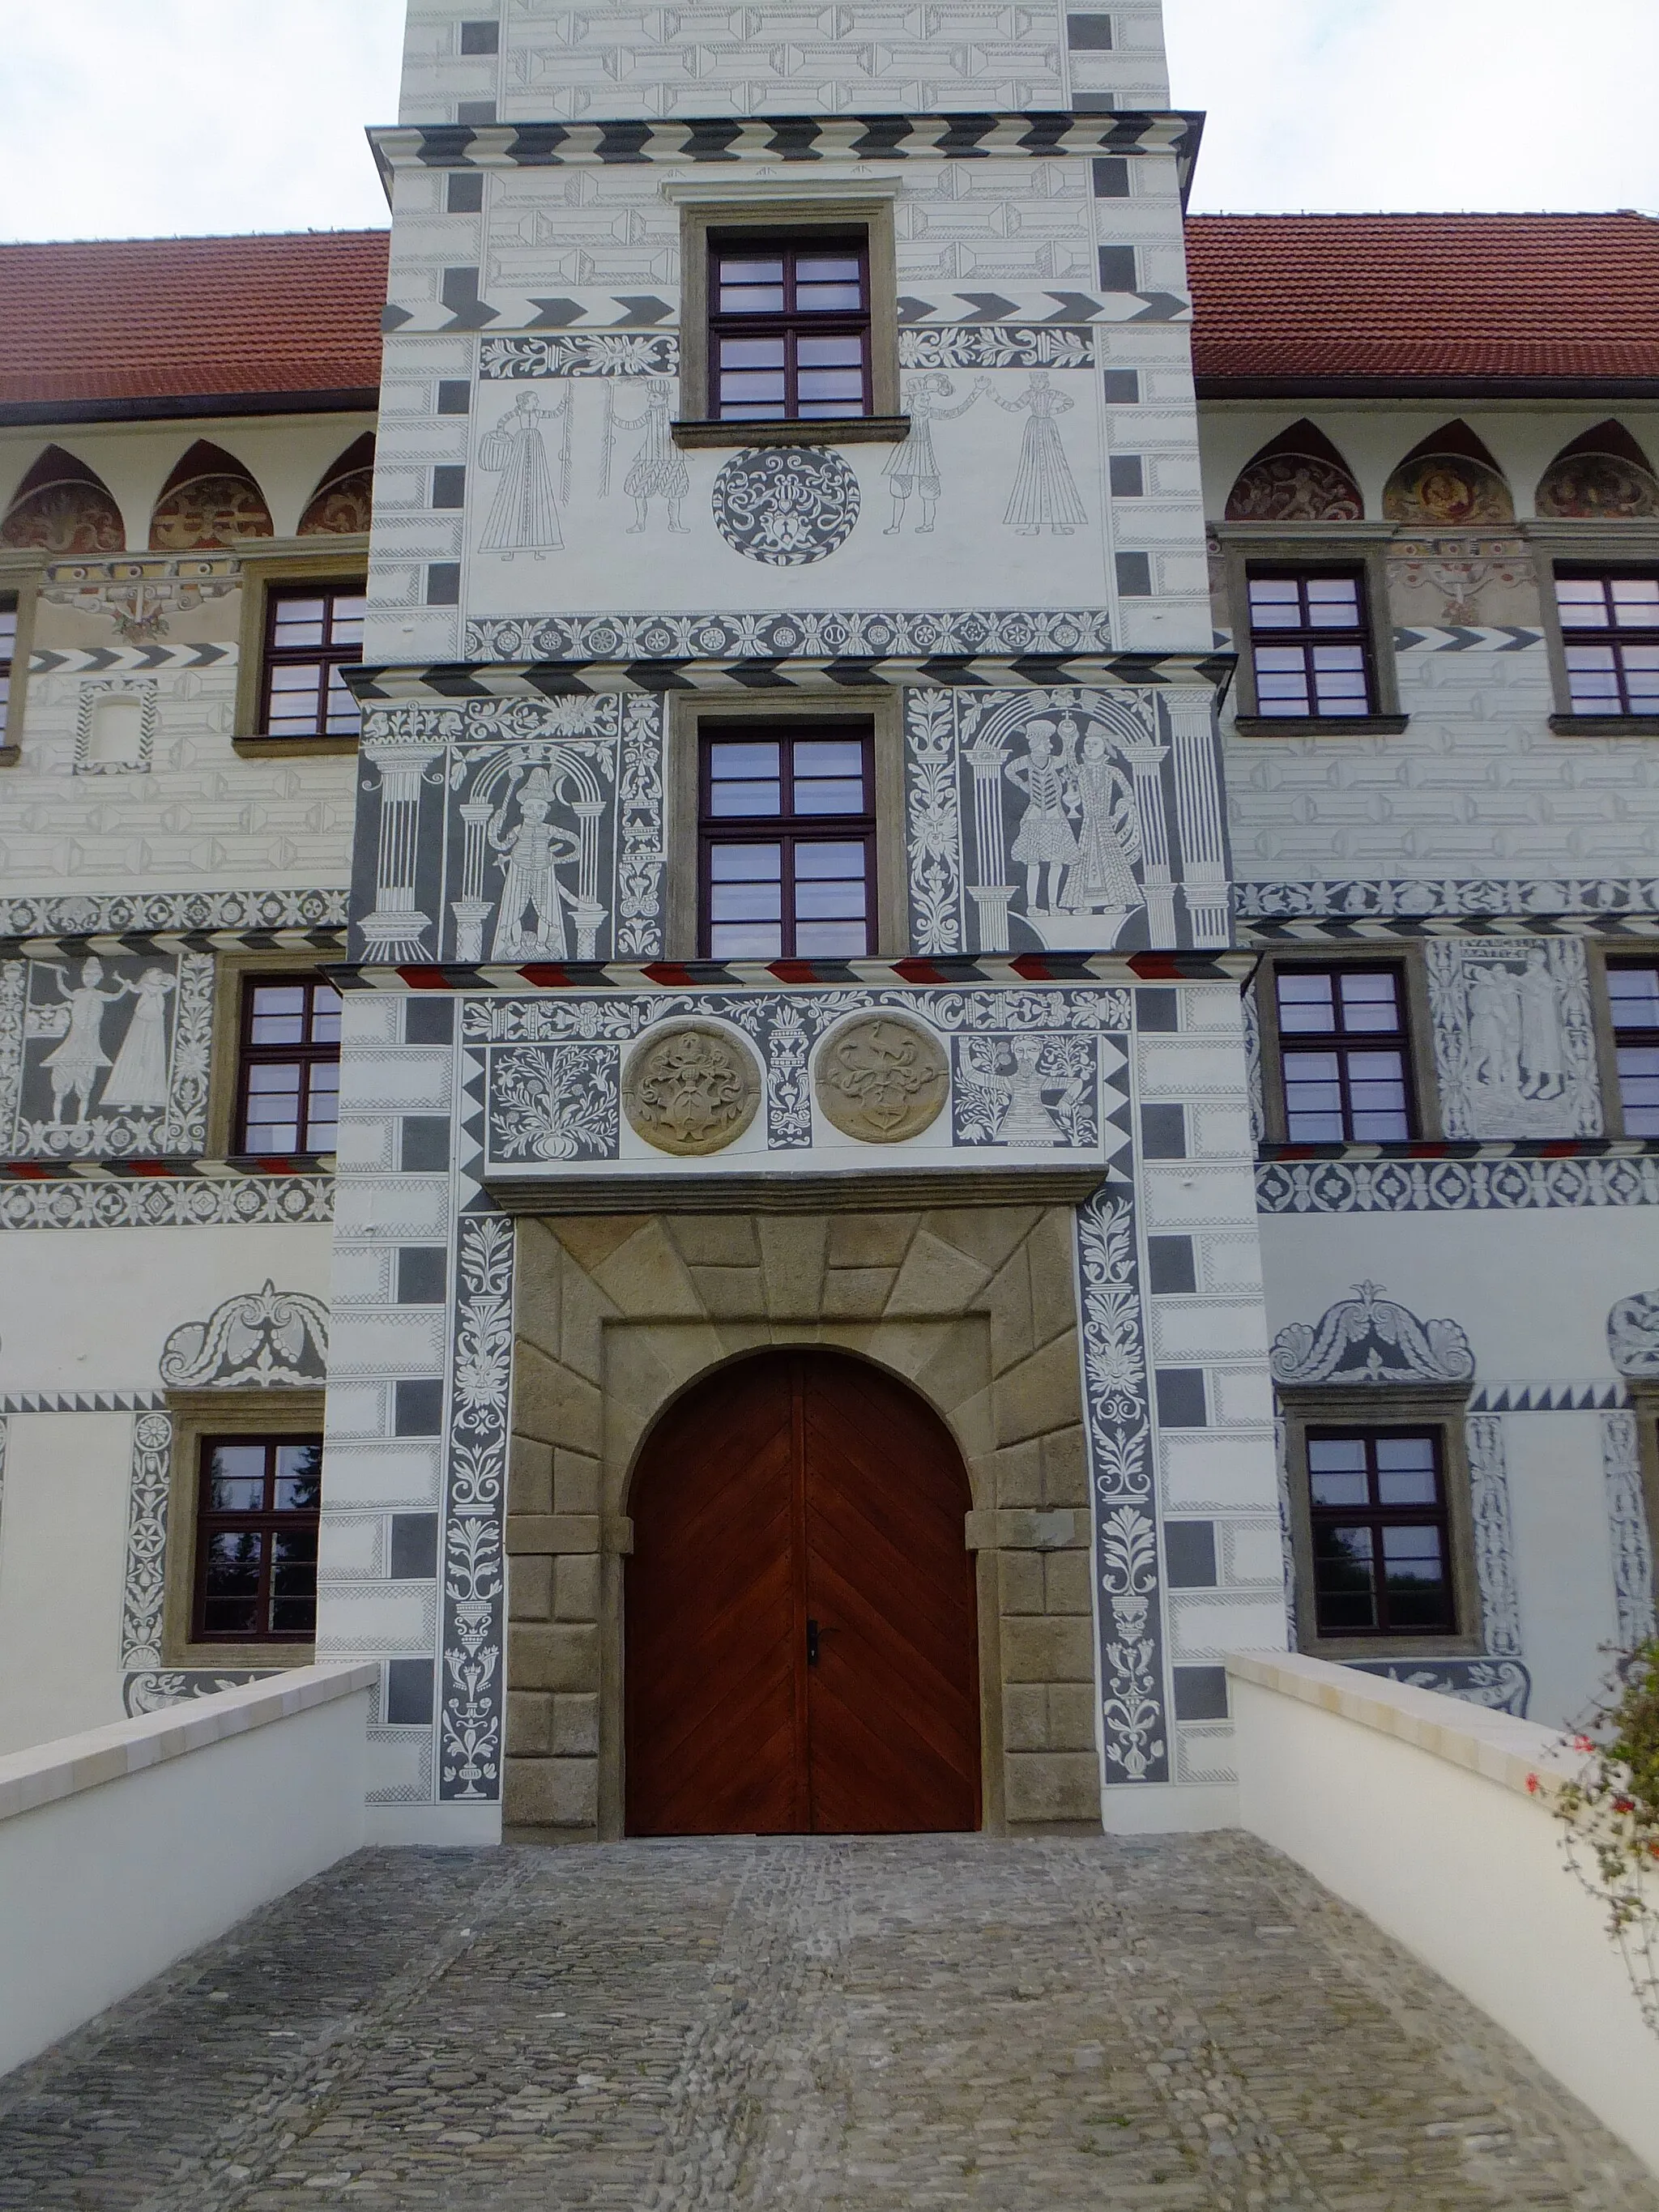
1611 1814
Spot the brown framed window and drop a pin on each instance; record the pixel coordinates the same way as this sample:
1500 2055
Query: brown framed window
258 1500
1381 1543
1310 644
786 833
1633 993
1610 639
1345 1053
312 632
287 1078
788 326
8 654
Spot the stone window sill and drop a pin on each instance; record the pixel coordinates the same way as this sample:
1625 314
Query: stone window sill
1319 726
846 430
245 1658
1605 726
293 748
1403 1650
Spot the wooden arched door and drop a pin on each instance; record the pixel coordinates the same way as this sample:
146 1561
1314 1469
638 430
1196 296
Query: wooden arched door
800 1646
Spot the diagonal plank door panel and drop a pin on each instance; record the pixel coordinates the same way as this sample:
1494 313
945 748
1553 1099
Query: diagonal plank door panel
789 1485
894 1700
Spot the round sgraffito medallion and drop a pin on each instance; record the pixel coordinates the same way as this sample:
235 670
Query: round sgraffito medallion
690 1089
785 505
882 1079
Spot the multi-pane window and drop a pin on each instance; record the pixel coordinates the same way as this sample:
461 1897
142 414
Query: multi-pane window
1344 1052
1633 991
288 1080
313 634
8 653
1610 636
1310 645
787 835
255 1540
788 328
1381 1546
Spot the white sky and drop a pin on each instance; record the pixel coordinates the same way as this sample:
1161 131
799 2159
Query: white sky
143 117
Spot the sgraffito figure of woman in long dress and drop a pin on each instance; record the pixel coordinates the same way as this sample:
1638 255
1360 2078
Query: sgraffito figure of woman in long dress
76 1062
1044 839
524 518
1108 834
913 465
1044 496
139 1077
659 470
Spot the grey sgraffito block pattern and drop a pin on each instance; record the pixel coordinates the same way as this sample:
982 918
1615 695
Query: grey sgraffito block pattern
881 2023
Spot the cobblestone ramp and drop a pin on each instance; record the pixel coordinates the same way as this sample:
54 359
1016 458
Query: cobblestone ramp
893 2024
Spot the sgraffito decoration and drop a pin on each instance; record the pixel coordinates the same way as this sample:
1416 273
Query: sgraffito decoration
474 1565
264 1336
1371 1339
144 1582
786 505
1074 819
1514 1044
553 1066
1029 1091
1501 1686
1494 1543
1633 1335
512 830
105 1058
1119 1432
1628 1529
1501 1185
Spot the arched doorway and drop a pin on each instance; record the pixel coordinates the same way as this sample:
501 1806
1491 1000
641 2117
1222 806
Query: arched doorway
800 1655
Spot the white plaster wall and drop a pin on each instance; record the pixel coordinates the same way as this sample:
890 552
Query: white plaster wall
91 1310
1532 1287
63 1558
1531 1290
1465 1871
616 60
200 1838
1563 1557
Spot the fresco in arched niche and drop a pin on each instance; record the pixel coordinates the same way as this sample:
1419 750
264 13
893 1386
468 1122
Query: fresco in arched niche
210 500
1460 567
1297 477
64 508
1604 474
342 504
1449 481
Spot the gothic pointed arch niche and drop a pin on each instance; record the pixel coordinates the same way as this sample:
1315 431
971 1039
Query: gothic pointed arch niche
1448 481
210 499
1604 476
342 501
1297 477
63 508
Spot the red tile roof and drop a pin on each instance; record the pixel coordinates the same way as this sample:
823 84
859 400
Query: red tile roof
107 326
1426 297
1282 300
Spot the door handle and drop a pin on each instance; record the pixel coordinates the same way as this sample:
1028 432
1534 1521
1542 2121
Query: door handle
811 1644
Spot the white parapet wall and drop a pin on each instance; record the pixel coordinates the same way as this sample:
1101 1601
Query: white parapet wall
122 1848
1416 1808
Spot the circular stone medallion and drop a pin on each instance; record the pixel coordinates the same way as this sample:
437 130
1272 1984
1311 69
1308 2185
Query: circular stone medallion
882 1079
785 505
690 1089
